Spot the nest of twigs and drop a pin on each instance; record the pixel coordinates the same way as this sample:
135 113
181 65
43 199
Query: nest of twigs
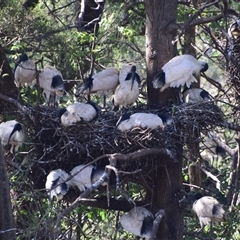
53 146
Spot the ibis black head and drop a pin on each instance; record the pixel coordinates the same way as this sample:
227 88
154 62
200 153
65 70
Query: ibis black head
204 94
204 67
17 127
57 81
125 116
22 58
165 118
132 75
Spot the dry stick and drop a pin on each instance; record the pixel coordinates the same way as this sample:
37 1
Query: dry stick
159 217
218 183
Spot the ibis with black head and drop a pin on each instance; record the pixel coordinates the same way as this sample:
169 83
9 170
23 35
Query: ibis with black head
142 120
25 72
56 184
208 210
84 177
51 81
195 95
179 71
128 91
78 112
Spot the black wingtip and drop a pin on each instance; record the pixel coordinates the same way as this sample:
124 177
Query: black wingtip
159 80
88 84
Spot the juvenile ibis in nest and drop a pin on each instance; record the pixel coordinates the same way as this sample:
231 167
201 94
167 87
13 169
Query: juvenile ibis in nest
128 91
194 95
51 80
56 185
179 71
138 221
208 210
78 112
142 120
84 176
13 133
24 73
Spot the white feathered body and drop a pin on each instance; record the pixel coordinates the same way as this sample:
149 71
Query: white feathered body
133 221
16 139
82 179
25 73
46 76
57 178
180 70
104 82
124 96
142 120
194 95
77 112
208 210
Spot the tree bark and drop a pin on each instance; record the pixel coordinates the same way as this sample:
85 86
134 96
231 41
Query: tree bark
7 227
160 16
7 86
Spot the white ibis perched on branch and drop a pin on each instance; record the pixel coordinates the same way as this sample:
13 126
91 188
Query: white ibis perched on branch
143 120
128 91
84 176
194 95
179 71
13 133
25 72
78 112
51 80
138 221
208 210
102 83
56 185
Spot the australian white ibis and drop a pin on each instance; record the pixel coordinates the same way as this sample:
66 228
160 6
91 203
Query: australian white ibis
25 72
78 112
138 221
128 91
51 80
13 133
84 176
143 120
102 83
208 210
56 185
179 71
194 95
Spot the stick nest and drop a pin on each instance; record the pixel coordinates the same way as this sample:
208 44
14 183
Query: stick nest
54 146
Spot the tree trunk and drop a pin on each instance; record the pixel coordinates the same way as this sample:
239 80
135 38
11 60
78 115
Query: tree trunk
7 86
160 17
160 32
7 228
